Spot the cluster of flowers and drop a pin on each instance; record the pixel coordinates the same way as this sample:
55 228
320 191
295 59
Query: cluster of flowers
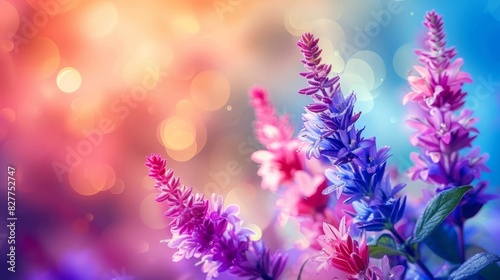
334 181
285 170
202 229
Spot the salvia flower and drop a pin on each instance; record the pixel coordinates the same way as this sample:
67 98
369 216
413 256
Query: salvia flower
343 252
329 129
386 272
443 129
205 230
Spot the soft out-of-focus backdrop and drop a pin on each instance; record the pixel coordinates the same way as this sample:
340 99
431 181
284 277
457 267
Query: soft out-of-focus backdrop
90 88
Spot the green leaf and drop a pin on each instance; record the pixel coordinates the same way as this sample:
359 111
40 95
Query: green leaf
384 245
474 265
437 210
490 272
443 242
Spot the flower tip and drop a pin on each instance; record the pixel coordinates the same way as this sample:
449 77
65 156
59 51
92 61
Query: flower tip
258 92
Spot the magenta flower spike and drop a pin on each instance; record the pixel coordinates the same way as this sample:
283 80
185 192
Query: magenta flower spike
203 229
281 162
271 131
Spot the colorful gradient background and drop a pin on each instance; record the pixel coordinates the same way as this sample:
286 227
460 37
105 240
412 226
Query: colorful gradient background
90 88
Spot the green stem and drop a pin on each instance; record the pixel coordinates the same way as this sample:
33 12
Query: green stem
302 268
412 253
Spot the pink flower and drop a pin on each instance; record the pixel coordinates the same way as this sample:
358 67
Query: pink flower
341 251
272 131
278 166
439 83
438 88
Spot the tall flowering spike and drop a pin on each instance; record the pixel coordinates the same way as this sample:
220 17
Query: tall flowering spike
204 229
329 129
440 82
442 132
317 73
437 56
186 210
281 162
272 131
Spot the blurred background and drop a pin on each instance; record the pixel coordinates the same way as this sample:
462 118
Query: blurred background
88 89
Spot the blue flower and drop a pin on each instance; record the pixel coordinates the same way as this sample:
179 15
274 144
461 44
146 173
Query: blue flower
329 128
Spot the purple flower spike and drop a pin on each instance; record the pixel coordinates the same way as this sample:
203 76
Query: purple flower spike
441 80
203 229
442 133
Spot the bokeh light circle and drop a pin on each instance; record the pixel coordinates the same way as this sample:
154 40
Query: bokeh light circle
185 154
177 133
91 179
329 29
361 69
184 108
143 67
40 57
349 80
80 181
303 12
403 60
331 56
69 80
201 136
376 64
9 20
118 187
210 90
100 19
151 213
53 8
102 177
